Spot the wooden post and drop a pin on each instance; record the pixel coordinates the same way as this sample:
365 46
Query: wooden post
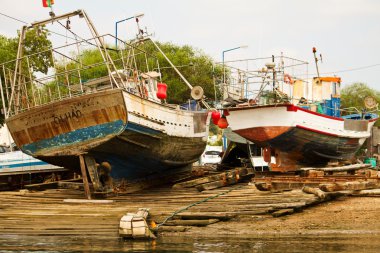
86 187
93 173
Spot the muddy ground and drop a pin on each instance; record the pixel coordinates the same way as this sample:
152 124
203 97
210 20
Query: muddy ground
343 216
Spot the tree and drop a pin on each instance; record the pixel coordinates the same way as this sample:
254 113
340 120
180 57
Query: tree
36 40
195 65
353 96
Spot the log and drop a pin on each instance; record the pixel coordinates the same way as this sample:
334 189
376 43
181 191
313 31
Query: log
353 186
367 192
173 229
283 212
339 169
317 192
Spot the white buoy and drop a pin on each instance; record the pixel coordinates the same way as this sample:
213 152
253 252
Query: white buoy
134 225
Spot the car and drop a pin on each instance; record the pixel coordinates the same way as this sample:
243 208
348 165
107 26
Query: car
211 157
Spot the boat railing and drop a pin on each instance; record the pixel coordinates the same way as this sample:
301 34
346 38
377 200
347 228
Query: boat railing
75 69
250 78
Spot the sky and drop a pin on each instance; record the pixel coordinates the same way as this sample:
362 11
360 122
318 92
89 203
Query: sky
345 32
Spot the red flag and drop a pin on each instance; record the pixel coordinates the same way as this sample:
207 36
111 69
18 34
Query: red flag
47 3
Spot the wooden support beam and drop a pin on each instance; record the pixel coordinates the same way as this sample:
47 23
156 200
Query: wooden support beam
87 192
93 172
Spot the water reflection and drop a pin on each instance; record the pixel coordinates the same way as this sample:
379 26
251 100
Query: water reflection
341 243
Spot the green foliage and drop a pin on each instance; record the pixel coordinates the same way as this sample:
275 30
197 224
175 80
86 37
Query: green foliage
36 41
194 65
8 48
353 96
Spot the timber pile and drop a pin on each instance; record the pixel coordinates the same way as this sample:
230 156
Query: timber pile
46 213
356 188
215 181
314 177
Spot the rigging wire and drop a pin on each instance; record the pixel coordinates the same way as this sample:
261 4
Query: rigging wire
24 22
332 72
19 20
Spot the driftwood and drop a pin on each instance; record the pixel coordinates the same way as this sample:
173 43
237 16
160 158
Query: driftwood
339 169
328 195
372 192
317 192
353 186
283 212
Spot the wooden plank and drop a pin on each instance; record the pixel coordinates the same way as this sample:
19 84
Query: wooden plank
197 223
283 212
198 181
87 192
93 172
205 216
173 229
92 201
228 178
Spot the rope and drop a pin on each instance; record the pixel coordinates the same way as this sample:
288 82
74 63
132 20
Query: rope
194 204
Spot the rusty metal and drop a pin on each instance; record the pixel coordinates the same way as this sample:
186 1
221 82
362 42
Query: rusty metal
270 181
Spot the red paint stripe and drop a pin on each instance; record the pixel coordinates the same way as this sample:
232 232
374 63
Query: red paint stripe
319 114
316 131
294 108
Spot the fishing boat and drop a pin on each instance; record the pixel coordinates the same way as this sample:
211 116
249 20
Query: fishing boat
298 132
18 168
118 125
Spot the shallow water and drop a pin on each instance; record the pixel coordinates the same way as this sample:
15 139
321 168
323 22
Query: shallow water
347 243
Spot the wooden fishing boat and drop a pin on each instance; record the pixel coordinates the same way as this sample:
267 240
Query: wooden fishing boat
298 132
299 136
118 123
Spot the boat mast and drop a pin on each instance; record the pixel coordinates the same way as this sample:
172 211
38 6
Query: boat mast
316 61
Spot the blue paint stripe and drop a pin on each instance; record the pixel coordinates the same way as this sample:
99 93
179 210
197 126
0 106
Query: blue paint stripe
77 136
27 164
139 128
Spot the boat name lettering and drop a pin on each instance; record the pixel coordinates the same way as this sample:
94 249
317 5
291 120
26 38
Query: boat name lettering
68 115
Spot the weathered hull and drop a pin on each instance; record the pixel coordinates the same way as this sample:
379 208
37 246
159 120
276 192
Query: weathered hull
299 137
71 126
139 152
156 139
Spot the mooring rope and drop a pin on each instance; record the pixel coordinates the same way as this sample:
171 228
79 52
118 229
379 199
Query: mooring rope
194 204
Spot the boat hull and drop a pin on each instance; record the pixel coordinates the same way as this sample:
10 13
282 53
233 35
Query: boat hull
137 137
298 137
